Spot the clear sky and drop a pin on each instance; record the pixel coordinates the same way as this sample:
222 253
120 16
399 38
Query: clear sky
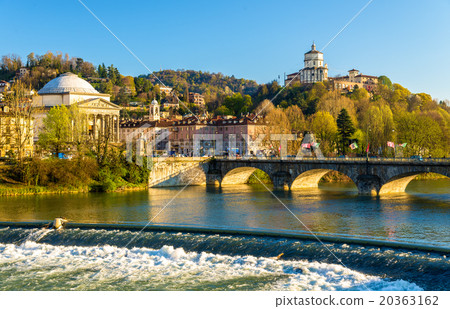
406 40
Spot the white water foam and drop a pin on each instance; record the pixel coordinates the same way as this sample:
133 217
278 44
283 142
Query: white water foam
37 235
109 267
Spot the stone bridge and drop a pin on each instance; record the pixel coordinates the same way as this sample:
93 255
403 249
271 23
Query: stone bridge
371 176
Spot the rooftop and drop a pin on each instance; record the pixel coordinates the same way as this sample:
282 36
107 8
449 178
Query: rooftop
67 82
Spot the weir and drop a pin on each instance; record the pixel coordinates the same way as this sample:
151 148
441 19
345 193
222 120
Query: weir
36 236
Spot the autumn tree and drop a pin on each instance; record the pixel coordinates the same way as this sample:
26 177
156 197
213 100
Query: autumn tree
277 123
19 102
296 118
333 103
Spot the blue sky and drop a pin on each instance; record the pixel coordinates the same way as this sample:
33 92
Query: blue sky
407 40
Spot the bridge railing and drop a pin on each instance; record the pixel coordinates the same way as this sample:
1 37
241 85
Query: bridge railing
340 159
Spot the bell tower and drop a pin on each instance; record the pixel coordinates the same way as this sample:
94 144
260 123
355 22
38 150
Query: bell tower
154 111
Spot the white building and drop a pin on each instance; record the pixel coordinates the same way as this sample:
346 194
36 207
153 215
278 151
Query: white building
101 117
154 113
314 70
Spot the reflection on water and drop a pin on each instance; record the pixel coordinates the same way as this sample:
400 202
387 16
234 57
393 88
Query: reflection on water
420 216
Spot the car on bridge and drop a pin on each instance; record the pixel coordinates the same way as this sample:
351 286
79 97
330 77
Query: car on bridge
418 158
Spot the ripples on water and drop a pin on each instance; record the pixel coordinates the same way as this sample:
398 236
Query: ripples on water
420 216
33 259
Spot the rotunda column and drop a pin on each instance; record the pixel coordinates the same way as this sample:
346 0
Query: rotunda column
94 126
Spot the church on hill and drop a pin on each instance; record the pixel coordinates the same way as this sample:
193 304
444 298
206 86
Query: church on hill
314 70
100 116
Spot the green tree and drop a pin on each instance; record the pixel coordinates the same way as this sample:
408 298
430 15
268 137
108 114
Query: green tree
56 134
422 134
378 124
345 129
238 104
123 97
223 110
325 129
384 80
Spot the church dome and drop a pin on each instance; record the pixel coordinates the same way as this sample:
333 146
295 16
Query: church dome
154 102
67 82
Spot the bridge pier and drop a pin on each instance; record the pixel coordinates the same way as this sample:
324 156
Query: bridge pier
214 178
281 180
368 184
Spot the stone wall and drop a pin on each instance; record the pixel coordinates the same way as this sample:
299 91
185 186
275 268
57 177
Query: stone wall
171 172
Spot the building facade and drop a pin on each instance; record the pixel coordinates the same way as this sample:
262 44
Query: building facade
179 134
14 131
314 69
166 90
100 116
196 98
353 79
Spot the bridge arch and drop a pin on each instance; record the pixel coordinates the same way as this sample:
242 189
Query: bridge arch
398 183
240 175
312 177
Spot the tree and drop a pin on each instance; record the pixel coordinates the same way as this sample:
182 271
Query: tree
384 80
238 104
123 97
359 94
223 110
334 102
128 81
56 134
345 129
102 71
277 123
296 118
325 129
22 110
264 108
378 123
31 60
422 134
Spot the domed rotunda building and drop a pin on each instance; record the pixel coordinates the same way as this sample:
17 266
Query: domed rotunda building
100 116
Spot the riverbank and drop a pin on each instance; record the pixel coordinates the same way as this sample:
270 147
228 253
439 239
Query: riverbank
79 175
20 189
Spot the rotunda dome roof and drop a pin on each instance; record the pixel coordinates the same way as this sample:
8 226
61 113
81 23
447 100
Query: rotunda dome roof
67 82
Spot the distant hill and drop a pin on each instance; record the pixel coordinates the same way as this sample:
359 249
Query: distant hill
208 84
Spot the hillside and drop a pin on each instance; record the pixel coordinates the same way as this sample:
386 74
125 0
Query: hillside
205 83
389 113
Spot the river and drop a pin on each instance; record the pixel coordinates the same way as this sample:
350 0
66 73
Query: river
103 259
